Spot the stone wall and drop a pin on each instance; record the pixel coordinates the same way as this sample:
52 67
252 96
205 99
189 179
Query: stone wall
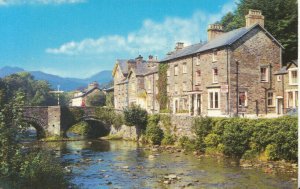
181 125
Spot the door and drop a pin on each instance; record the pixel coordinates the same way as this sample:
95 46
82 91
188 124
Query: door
279 106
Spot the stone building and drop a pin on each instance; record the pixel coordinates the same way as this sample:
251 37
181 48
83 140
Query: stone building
231 74
80 97
135 83
287 79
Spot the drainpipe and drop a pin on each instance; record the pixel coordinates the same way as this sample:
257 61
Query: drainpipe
227 95
237 87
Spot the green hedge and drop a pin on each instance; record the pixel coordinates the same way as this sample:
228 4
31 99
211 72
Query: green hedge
275 139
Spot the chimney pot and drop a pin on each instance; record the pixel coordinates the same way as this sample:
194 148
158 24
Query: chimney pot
179 45
254 17
214 30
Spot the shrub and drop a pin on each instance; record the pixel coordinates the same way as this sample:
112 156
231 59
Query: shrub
187 144
168 139
41 170
154 134
136 116
236 137
202 127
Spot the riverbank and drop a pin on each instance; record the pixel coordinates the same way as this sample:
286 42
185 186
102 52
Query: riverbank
127 164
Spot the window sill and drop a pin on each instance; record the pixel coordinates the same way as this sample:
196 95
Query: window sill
264 81
214 109
272 106
214 61
293 83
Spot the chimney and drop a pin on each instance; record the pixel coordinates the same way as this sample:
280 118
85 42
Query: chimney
213 31
179 45
254 17
93 85
150 58
139 59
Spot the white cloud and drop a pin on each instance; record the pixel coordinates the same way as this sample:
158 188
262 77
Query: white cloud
43 2
152 38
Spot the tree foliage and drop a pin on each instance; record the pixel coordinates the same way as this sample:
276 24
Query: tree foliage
281 20
162 95
97 99
36 91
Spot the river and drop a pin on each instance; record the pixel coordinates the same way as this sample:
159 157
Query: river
124 164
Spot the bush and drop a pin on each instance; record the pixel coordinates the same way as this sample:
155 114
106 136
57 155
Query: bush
168 139
187 144
136 116
154 134
236 137
202 127
41 170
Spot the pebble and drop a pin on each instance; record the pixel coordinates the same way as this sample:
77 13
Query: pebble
167 182
125 167
109 183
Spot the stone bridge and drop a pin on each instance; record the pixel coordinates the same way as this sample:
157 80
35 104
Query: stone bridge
56 120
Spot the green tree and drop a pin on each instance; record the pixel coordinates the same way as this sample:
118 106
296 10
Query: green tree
109 100
281 20
97 99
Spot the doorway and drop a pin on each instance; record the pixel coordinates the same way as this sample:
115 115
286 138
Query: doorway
279 106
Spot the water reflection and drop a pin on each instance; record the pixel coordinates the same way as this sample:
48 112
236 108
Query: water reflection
123 164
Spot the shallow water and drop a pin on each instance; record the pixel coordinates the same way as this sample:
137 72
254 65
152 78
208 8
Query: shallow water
123 164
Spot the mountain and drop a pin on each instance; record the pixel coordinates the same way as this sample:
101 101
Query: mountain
66 84
9 70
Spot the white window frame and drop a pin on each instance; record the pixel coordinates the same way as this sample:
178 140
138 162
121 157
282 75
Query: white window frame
198 60
292 103
270 98
290 76
279 78
184 68
215 77
215 56
175 87
184 86
176 69
267 74
168 73
198 77
214 92
246 98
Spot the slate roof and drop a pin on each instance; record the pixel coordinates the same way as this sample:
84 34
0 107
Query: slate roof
223 40
86 92
282 71
123 65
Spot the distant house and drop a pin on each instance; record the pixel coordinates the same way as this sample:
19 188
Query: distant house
80 98
135 83
287 79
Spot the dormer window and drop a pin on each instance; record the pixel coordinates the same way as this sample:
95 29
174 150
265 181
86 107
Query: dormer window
215 75
214 57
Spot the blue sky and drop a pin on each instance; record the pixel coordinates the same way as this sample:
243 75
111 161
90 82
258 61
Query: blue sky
77 38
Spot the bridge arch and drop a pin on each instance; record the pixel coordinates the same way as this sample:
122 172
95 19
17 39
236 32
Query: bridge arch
100 127
37 124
